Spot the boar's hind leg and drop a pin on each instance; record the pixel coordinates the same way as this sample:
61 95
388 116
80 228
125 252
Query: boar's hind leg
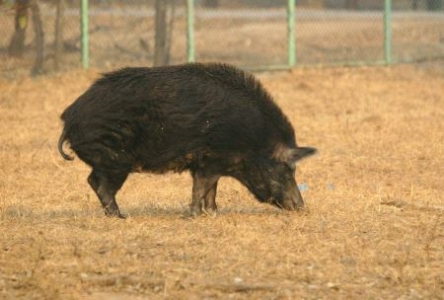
204 190
106 185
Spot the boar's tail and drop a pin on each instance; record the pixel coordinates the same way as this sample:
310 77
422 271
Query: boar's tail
62 140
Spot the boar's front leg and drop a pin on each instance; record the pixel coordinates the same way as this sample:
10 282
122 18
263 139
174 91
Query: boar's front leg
204 190
210 207
106 185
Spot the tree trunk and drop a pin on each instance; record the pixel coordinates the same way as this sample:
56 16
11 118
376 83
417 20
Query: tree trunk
39 38
17 45
169 37
211 3
434 4
160 55
352 4
58 39
164 31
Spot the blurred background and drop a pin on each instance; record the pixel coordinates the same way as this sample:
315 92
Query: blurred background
44 36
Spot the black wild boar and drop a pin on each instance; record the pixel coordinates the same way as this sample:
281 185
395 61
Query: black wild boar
212 119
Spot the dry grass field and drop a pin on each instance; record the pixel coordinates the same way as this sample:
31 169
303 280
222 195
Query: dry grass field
374 228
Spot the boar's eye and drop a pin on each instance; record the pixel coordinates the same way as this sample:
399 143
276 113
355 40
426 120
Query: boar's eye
287 168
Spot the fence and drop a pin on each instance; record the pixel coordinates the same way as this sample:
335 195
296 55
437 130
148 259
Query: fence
248 33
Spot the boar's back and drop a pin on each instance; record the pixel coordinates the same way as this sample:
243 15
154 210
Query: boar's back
164 118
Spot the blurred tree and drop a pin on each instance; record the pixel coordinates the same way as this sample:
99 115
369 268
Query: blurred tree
17 44
39 37
163 32
211 3
434 4
352 4
58 39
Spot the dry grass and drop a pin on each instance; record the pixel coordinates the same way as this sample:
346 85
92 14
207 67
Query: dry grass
375 229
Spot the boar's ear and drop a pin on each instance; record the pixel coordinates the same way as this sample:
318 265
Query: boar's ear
292 155
300 153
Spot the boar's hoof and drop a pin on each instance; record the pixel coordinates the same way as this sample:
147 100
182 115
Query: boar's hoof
195 211
114 214
210 212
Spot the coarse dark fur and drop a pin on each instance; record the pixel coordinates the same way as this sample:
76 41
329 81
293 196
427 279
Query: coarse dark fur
212 119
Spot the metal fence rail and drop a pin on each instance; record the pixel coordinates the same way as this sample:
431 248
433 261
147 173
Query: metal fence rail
108 34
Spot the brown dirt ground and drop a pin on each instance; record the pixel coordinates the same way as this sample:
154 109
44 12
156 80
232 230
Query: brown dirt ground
374 230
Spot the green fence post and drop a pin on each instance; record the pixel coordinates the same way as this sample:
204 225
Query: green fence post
291 33
84 33
388 31
190 31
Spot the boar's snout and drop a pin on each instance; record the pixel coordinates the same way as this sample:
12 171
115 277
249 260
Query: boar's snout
292 200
